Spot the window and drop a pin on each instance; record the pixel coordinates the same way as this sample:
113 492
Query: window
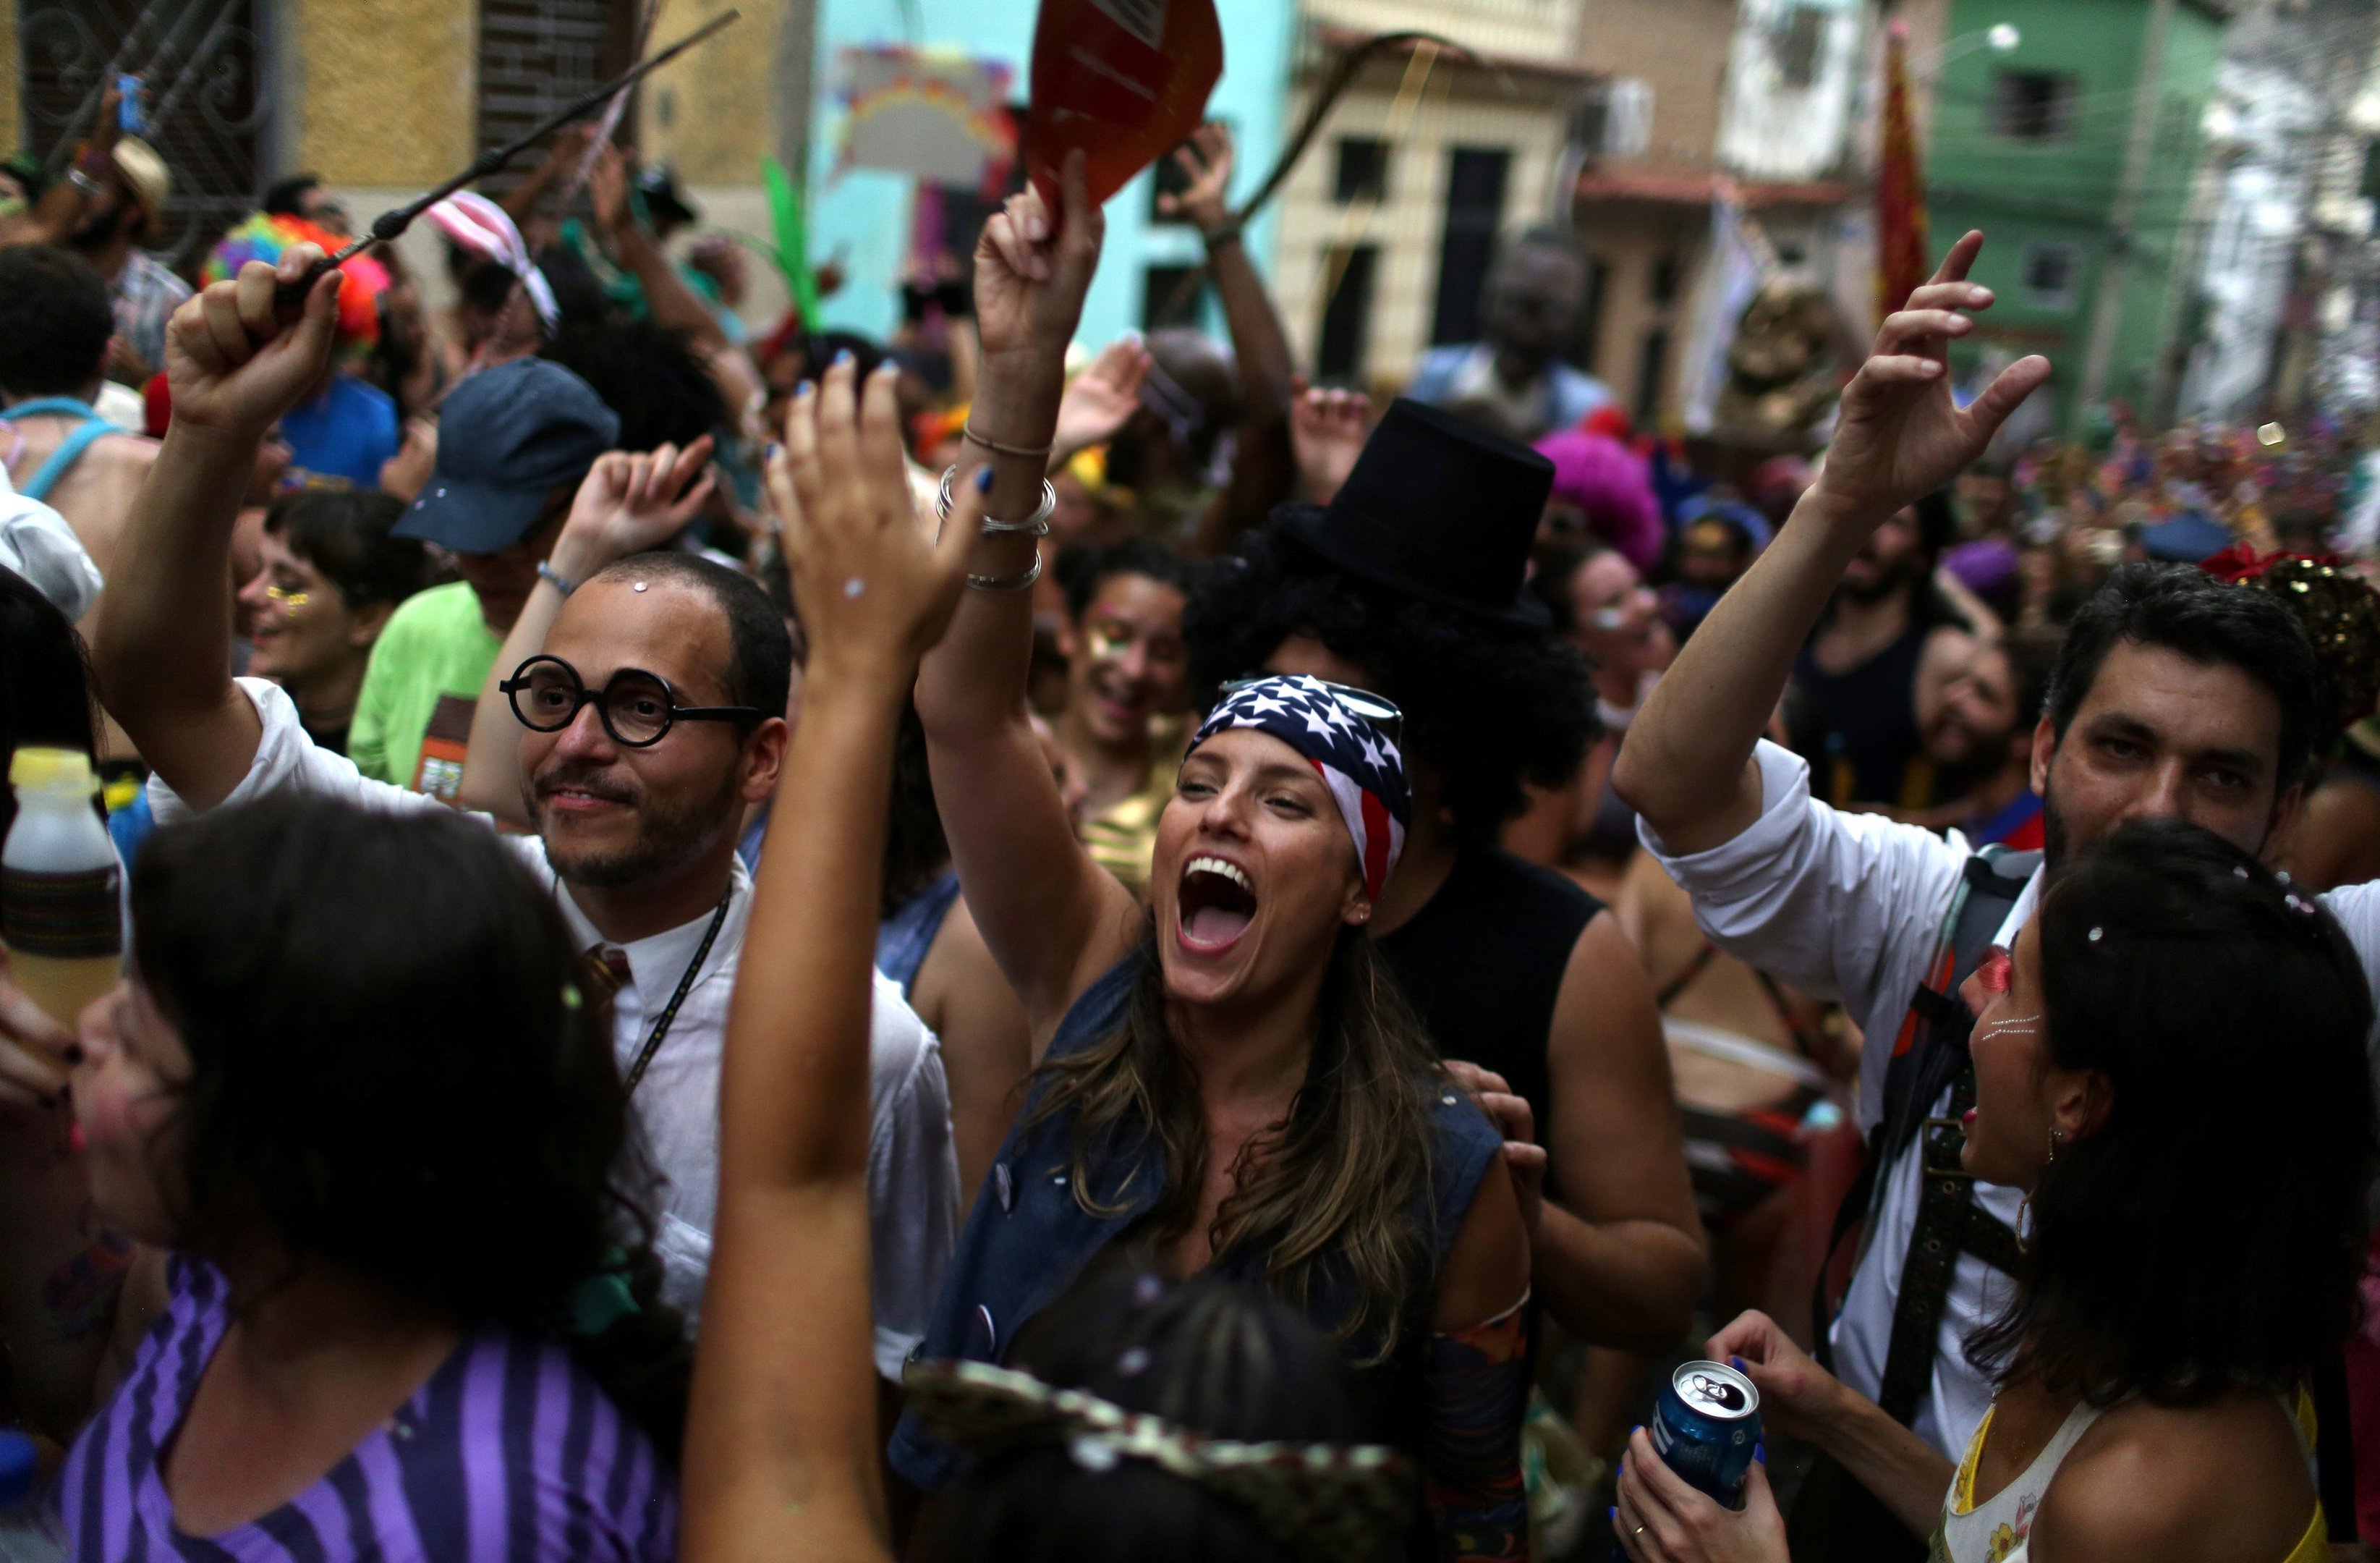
2049 276
1363 171
535 56
1590 319
209 99
1167 301
1650 363
1794 38
2032 106
1666 274
1347 314
1474 210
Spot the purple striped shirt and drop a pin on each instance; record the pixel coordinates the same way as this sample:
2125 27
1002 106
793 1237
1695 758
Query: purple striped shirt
509 1454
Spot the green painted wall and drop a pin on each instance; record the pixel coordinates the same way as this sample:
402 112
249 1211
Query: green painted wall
2024 193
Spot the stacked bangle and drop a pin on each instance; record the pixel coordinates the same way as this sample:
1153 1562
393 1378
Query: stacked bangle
997 449
1007 583
1037 527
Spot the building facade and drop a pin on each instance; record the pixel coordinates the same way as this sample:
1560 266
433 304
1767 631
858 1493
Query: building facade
2076 153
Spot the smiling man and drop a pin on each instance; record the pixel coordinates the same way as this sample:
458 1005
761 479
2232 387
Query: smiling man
2175 696
653 717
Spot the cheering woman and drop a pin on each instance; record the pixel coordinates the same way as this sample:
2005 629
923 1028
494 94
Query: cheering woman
2171 1065
1227 1081
1135 1421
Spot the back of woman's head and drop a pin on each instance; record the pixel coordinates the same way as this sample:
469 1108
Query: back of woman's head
1211 1358
44 681
395 1067
2211 1230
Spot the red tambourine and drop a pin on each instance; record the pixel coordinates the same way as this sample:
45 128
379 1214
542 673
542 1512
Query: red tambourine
1126 80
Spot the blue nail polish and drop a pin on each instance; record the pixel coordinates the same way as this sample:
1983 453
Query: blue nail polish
803 388
774 451
1615 1514
983 479
1760 1451
842 357
1736 1362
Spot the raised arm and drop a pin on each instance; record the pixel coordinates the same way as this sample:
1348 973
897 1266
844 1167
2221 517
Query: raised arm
162 649
781 1436
628 504
1053 919
1264 468
1687 764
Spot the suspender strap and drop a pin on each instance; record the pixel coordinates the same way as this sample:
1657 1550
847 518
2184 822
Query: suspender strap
1949 1223
70 449
1930 1056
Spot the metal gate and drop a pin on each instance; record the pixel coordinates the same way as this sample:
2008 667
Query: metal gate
207 100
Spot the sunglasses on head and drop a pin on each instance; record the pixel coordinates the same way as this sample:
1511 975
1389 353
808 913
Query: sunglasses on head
1381 713
635 707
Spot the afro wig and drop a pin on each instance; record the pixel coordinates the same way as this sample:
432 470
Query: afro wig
1487 706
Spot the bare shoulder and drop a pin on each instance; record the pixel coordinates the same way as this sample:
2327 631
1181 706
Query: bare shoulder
2204 1485
1486 1270
1604 1013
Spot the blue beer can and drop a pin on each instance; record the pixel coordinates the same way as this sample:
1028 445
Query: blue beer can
1705 1424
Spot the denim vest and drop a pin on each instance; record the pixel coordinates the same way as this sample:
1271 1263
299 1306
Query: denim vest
1029 1238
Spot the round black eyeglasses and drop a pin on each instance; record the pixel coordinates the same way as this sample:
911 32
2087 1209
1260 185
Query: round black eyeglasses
635 707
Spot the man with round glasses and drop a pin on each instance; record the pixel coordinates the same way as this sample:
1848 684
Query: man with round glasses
650 714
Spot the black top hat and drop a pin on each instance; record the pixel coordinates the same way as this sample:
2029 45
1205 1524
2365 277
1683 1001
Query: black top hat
664 202
1437 508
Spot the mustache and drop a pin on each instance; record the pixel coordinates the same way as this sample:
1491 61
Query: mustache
580 777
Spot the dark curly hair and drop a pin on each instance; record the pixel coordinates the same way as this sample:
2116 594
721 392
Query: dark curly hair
647 374
396 1069
1212 1356
2211 1231
1488 706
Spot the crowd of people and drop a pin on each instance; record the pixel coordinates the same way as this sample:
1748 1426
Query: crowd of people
742 941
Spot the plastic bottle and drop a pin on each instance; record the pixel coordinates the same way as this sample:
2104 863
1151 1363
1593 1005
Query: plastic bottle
28 1531
61 911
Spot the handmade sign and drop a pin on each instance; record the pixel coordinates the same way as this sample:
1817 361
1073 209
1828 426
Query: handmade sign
1126 80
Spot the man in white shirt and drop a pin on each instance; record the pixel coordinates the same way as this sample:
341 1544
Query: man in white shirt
662 707
2174 696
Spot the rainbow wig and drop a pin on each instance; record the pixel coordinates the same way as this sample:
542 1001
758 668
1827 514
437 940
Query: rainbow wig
266 236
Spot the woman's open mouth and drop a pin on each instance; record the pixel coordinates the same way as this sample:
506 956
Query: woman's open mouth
1215 903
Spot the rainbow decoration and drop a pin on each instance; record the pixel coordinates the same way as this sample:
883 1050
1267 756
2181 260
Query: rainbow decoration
266 236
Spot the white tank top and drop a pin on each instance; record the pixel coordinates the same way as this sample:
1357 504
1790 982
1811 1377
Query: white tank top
1996 1531
2001 1530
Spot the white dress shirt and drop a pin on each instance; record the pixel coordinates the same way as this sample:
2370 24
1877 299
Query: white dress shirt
1851 906
913 1194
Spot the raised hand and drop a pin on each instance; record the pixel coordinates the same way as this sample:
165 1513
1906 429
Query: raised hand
1327 429
1099 400
607 187
875 589
630 502
1797 1396
1901 435
235 367
1517 1122
1206 158
1031 274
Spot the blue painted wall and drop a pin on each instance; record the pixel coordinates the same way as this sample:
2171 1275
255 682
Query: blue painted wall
866 214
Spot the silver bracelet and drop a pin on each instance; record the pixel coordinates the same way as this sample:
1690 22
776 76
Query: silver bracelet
85 183
562 583
1007 583
1037 526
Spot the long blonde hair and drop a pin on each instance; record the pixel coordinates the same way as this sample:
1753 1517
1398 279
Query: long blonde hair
1341 1187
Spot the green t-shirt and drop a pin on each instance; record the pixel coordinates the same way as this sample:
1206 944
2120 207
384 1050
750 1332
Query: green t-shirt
413 715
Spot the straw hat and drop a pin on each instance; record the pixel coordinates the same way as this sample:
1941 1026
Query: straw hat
137 163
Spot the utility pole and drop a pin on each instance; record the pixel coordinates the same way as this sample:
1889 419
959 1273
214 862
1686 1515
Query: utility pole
2139 140
796 68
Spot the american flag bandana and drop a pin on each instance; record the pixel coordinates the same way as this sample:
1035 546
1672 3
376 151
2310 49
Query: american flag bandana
1356 761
